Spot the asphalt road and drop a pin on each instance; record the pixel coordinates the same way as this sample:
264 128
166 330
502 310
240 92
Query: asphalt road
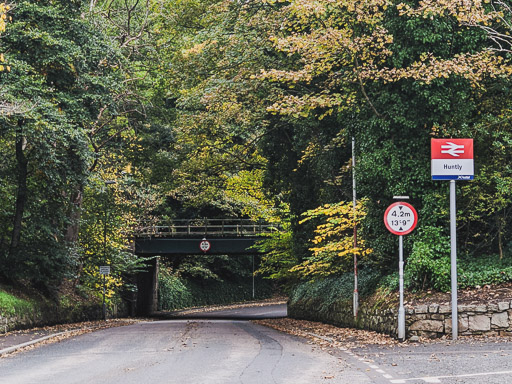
470 361
273 311
222 347
181 351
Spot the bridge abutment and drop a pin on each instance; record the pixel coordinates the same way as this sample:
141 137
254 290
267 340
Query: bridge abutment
147 288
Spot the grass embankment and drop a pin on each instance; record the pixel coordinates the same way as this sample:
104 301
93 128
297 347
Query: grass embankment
11 305
28 308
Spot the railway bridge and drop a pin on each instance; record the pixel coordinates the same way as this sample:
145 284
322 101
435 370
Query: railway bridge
190 237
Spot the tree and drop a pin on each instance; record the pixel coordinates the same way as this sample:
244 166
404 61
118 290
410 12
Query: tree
59 83
393 75
333 245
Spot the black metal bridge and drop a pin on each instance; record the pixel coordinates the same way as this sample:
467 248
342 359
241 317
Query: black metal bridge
191 237
201 236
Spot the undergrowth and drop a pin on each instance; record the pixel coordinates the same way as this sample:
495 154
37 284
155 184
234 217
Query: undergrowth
335 289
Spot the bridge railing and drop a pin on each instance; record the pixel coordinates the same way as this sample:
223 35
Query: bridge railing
207 227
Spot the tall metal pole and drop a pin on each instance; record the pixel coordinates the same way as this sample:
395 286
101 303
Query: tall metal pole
107 183
401 309
253 288
104 306
354 204
453 258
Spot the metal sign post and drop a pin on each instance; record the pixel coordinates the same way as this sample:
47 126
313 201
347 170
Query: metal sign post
452 159
104 271
453 259
401 308
401 219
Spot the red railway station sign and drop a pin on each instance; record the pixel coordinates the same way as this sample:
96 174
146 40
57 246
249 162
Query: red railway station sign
452 159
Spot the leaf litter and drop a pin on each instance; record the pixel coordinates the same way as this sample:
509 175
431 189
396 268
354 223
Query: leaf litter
58 333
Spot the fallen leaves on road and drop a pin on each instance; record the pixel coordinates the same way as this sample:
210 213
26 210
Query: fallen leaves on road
328 335
61 332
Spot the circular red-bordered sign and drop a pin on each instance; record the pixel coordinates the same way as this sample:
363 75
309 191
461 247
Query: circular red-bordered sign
205 245
400 218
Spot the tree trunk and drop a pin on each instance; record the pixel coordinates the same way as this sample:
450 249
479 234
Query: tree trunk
21 198
73 228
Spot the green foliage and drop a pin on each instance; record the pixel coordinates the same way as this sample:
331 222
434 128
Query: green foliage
55 89
472 273
334 289
428 266
236 108
484 270
172 292
105 221
12 305
177 292
278 257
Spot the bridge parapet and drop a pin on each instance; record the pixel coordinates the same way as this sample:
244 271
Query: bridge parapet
207 228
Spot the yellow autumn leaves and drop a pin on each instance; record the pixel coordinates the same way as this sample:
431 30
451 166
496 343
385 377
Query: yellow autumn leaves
3 19
343 45
3 15
333 244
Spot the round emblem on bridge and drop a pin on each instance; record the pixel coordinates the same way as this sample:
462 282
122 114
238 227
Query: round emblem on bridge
205 245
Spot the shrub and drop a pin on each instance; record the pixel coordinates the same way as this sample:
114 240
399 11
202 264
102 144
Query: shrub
172 292
478 271
428 266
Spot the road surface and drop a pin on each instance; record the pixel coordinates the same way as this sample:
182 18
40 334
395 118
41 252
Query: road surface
180 351
468 361
222 347
240 312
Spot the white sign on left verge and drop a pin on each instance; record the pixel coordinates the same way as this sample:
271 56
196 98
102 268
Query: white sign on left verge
105 270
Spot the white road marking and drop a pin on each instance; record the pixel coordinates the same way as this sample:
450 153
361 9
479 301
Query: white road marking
437 379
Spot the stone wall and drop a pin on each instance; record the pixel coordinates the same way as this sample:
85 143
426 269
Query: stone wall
370 317
435 320
432 320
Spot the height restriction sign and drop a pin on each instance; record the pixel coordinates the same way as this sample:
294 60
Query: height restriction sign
400 218
204 245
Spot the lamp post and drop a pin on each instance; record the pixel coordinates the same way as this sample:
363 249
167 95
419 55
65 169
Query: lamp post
104 307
